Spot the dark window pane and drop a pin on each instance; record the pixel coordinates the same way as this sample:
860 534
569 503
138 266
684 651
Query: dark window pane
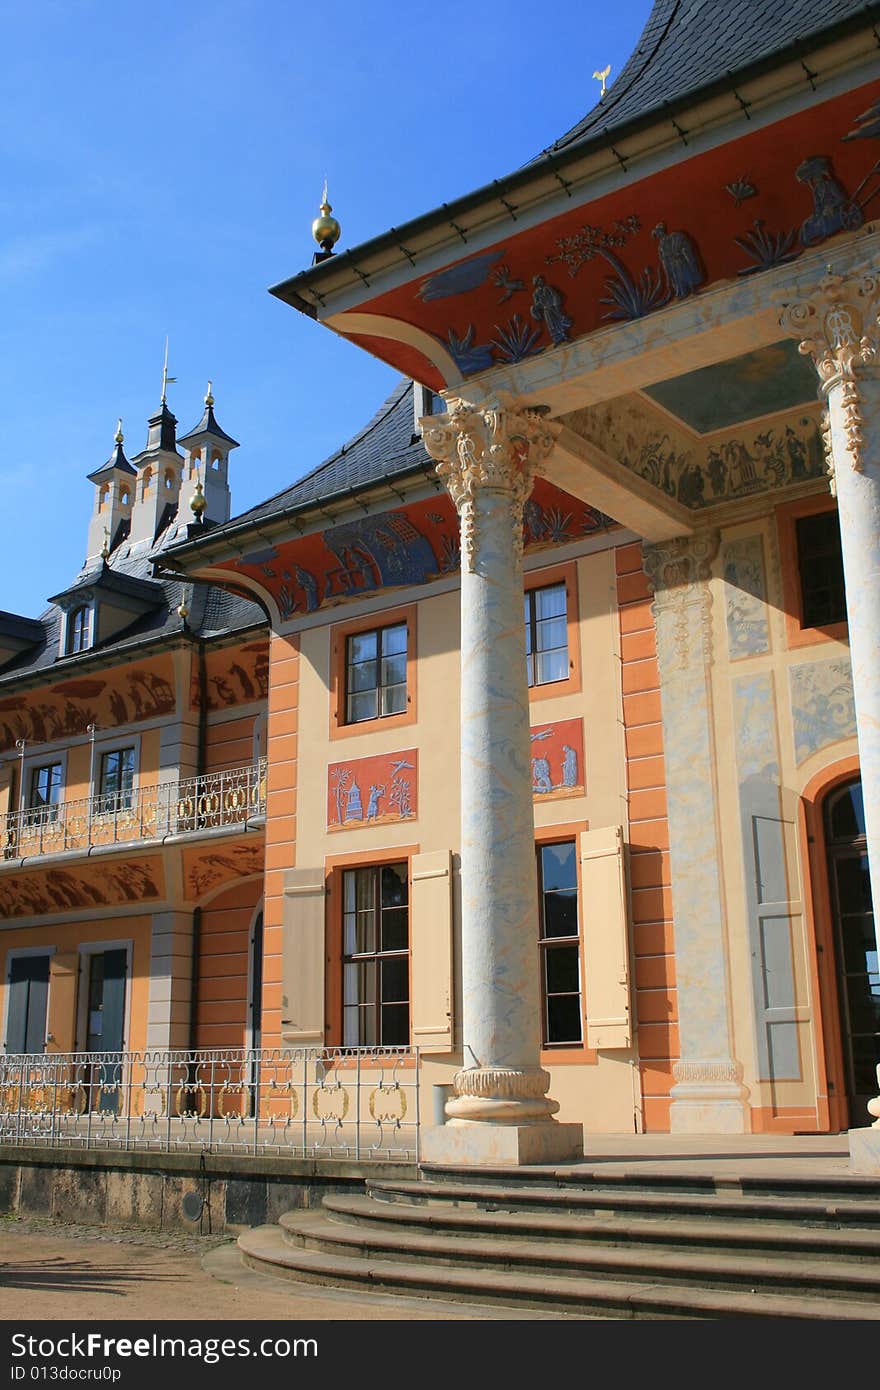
560 914
394 670
394 699
854 884
848 814
820 565
564 1019
866 1055
362 706
362 647
362 676
859 944
395 891
395 1025
394 640
395 980
563 972
395 930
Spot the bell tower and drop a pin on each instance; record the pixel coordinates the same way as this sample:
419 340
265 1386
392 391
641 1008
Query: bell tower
159 471
205 487
114 498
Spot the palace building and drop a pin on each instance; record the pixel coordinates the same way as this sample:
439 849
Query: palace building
550 702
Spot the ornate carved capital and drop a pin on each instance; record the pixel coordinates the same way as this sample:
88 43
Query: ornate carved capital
838 326
678 572
503 1083
498 448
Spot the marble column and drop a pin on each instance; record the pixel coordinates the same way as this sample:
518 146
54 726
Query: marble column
707 1095
838 327
500 1112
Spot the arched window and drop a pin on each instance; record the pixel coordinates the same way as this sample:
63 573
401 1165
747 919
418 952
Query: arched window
169 479
78 628
195 460
104 496
216 461
147 480
124 497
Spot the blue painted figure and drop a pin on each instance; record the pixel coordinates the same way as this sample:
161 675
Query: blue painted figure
354 809
833 209
373 803
541 775
547 305
309 586
569 766
680 260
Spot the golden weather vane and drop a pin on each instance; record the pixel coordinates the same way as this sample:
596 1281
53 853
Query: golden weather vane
600 77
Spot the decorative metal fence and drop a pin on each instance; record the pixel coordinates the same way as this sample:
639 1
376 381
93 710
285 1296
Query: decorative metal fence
138 813
306 1103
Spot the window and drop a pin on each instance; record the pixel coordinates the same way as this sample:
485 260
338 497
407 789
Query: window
546 614
78 630
560 944
375 673
820 569
45 791
117 779
375 943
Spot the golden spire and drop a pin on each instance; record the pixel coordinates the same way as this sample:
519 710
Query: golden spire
166 379
105 548
209 396
119 436
199 501
325 229
600 77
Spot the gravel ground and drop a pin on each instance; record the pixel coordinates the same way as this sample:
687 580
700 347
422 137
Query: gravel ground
53 1271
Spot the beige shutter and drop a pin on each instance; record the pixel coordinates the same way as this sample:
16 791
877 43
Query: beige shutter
431 951
302 958
606 938
61 1018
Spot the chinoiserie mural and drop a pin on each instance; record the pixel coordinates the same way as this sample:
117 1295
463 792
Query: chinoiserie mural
205 869
233 676
742 567
105 884
821 705
733 211
558 759
393 549
372 791
67 708
727 465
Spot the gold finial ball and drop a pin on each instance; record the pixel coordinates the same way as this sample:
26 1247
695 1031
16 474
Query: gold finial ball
182 611
209 395
199 501
119 436
325 229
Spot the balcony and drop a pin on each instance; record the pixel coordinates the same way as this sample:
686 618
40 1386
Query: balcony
193 806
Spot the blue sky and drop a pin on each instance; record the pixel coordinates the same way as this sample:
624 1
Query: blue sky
162 164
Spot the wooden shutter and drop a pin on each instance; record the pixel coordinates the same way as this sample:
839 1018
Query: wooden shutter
302 958
61 1025
606 938
431 951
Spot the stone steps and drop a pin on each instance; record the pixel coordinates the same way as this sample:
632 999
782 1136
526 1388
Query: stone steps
648 1246
266 1249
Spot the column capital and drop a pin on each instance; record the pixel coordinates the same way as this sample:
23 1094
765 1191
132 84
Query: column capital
498 447
678 573
837 325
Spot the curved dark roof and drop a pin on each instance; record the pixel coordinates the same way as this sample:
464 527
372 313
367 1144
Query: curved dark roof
387 447
689 45
117 461
207 425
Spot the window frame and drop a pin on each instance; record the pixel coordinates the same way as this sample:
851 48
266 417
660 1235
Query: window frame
787 517
377 956
544 579
548 943
45 811
125 797
82 642
564 1054
339 635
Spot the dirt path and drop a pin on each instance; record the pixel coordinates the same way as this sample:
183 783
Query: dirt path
57 1272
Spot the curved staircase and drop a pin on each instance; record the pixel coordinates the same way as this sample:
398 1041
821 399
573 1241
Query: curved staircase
632 1244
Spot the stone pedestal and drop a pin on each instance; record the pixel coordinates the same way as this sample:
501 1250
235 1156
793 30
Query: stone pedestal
864 1151
500 1112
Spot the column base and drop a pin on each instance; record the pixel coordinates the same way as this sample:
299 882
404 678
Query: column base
864 1150
472 1144
709 1098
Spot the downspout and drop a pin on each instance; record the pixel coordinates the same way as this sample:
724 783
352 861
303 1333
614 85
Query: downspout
201 757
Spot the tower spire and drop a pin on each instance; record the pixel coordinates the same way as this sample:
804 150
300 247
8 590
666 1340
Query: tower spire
166 379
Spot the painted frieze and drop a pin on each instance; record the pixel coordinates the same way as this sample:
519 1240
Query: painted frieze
742 566
754 713
739 209
109 700
206 869
90 885
393 549
558 759
379 790
234 676
821 704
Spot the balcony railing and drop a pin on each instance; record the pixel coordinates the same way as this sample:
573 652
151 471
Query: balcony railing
360 1103
209 802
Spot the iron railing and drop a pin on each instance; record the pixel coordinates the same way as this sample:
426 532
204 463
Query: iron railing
357 1103
207 802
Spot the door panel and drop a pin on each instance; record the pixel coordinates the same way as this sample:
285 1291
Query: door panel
28 984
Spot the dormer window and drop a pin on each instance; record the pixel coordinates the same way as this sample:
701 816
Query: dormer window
79 630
